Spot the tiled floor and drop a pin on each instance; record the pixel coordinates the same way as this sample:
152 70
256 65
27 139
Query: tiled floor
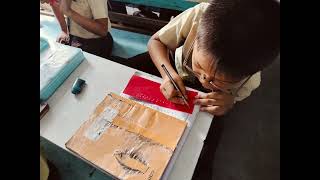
70 167
249 148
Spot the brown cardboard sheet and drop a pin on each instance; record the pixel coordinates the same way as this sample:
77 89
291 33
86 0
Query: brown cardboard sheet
127 140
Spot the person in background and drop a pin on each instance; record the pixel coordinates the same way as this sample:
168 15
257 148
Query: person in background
88 25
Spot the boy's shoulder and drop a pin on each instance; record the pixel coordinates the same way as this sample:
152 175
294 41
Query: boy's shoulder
196 11
200 8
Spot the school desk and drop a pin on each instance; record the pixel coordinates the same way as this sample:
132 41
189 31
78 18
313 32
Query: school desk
67 111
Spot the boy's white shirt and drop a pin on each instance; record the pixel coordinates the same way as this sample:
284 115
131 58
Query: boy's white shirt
176 31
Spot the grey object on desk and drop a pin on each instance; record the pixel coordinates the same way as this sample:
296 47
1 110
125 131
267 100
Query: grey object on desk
78 86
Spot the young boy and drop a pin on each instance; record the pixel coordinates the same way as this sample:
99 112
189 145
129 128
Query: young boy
220 48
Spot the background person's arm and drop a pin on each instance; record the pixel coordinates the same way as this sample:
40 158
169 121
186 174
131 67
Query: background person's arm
59 15
98 26
64 36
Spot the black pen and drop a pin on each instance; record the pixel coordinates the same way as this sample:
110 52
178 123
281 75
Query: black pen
174 84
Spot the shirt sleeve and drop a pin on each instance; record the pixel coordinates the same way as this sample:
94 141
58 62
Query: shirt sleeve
178 28
252 84
99 8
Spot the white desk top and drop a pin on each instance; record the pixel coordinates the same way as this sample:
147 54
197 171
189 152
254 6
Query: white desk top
67 112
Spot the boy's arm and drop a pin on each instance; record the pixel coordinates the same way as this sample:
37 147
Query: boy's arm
247 88
160 55
169 38
98 25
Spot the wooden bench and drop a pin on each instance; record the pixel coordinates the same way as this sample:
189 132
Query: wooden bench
133 32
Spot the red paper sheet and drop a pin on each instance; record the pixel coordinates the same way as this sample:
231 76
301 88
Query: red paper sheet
149 91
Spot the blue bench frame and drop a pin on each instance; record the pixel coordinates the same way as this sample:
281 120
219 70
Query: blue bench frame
128 44
179 5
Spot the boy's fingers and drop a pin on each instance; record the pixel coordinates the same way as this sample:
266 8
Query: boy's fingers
208 102
170 93
176 100
168 90
171 97
211 95
214 110
183 89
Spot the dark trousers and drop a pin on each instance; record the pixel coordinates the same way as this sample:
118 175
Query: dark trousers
98 46
203 169
140 62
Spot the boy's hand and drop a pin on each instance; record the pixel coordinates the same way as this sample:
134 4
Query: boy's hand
170 92
216 103
63 38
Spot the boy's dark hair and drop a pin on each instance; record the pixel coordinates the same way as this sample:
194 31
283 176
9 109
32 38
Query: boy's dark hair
243 34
